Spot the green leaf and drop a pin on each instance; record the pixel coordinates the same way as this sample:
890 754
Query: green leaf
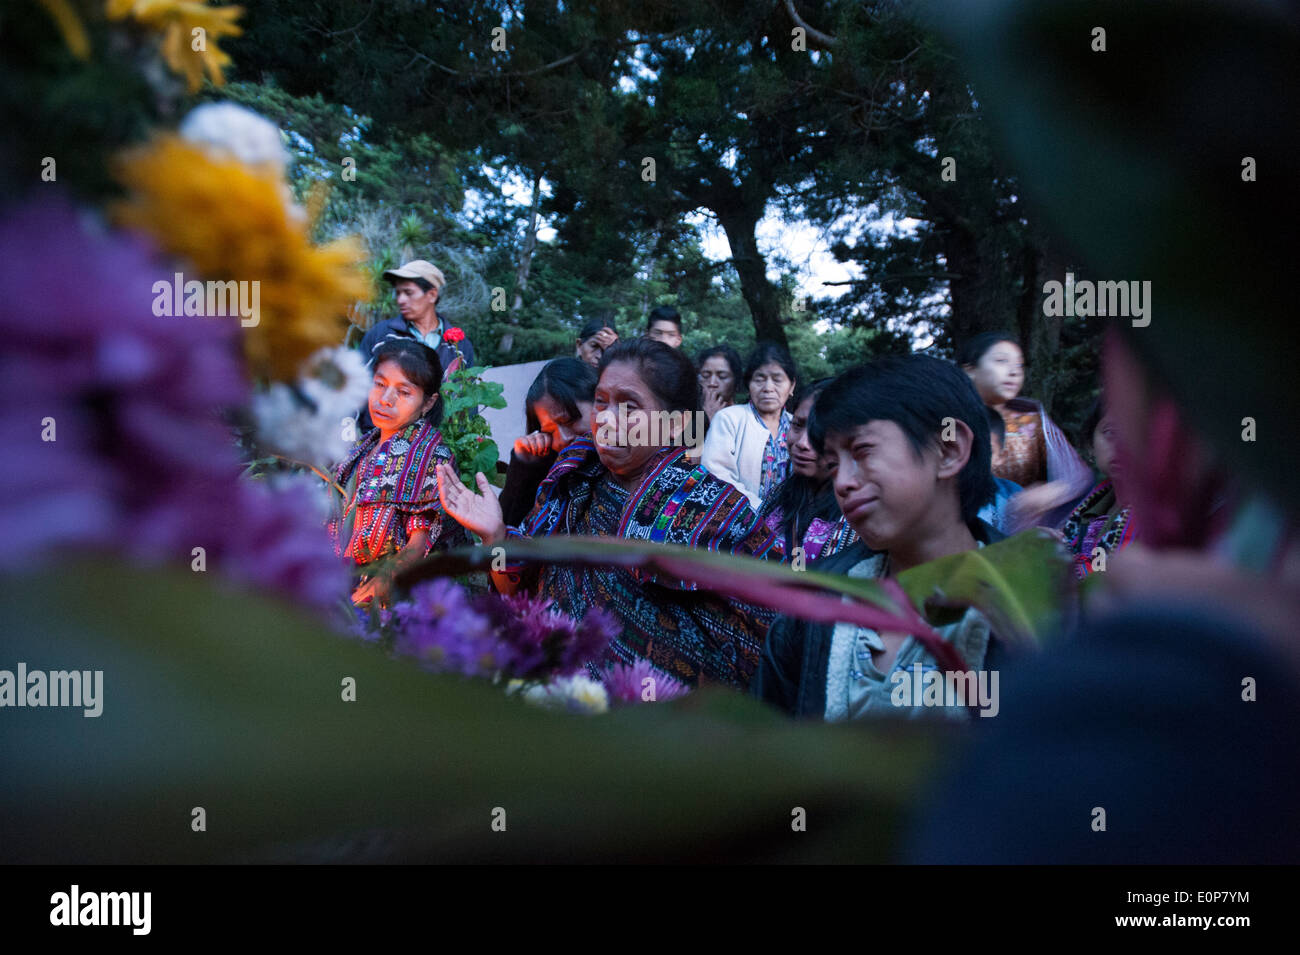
1020 584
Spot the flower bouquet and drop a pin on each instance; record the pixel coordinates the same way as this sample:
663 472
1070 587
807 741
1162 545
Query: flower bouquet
519 642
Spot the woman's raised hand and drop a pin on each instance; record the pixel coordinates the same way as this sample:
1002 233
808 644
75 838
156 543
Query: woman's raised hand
536 444
479 513
713 401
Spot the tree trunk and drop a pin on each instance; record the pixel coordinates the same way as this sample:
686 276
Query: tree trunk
526 254
761 296
525 264
1040 335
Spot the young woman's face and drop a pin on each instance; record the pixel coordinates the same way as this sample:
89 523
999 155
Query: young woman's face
885 489
559 424
1105 447
804 459
396 401
770 388
622 439
1000 373
715 373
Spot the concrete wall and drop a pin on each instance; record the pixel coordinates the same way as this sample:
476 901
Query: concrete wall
507 423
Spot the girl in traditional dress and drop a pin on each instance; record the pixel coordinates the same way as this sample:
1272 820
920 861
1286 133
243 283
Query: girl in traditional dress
390 476
1103 519
618 483
804 513
1035 454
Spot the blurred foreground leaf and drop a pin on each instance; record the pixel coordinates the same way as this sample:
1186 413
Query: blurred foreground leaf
232 702
1020 583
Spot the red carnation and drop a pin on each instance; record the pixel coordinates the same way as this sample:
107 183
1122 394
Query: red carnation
454 335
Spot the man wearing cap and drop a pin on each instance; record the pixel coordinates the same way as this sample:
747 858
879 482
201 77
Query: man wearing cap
416 286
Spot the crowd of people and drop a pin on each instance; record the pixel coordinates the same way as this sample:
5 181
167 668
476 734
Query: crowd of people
882 468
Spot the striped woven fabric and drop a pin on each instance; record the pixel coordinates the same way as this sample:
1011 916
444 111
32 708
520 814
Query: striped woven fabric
694 636
392 494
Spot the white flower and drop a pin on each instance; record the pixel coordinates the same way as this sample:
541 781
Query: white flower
239 132
577 693
336 382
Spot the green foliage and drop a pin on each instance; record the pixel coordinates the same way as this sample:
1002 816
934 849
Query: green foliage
79 114
464 429
848 139
413 173
1022 585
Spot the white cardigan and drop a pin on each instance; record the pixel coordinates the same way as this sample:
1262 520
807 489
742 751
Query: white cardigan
733 450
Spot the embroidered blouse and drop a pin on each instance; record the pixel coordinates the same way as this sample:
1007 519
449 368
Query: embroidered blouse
392 495
1098 521
776 455
822 539
689 634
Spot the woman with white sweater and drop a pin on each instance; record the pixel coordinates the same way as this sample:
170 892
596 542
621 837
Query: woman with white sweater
746 444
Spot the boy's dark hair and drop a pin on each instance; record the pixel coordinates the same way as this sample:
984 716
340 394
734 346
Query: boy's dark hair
594 325
727 354
668 373
765 353
663 313
420 364
567 381
973 350
803 392
997 424
916 392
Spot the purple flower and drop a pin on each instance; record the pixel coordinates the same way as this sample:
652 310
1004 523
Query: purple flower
627 683
596 631
547 643
441 630
111 418
511 637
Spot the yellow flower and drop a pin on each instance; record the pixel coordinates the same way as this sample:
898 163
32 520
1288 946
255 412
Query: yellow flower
190 30
70 26
234 223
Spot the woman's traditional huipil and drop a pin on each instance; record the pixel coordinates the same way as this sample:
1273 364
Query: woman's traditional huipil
690 634
822 538
392 494
1036 450
1098 521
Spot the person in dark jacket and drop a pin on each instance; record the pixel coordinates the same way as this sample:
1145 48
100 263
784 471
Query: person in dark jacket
907 441
417 286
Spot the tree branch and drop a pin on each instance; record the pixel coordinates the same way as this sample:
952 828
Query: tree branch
824 39
416 55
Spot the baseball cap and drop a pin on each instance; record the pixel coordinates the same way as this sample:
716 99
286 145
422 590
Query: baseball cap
419 269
